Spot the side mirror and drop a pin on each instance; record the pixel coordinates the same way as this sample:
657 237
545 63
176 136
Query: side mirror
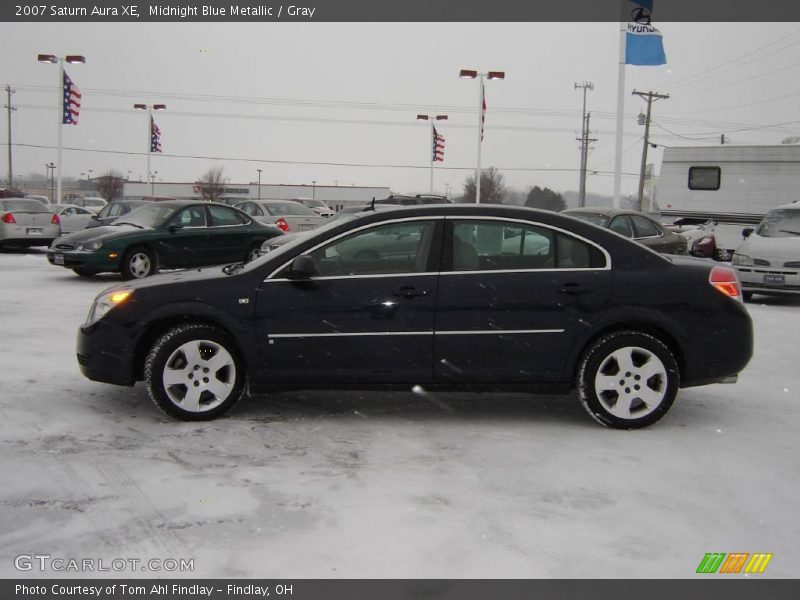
747 231
95 217
303 267
174 228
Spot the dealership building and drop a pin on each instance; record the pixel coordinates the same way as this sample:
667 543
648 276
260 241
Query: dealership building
335 196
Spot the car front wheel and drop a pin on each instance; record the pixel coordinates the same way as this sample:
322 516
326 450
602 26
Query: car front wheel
138 263
193 372
628 380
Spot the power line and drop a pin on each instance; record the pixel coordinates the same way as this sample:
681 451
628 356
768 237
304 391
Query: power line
300 162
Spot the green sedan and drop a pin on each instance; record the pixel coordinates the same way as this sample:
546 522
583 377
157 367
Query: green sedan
163 235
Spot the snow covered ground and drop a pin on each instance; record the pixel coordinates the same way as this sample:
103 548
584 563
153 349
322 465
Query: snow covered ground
379 485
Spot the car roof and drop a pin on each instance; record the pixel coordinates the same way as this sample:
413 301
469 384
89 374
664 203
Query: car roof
606 211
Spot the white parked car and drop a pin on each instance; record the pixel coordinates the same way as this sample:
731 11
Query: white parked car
318 206
287 215
768 261
27 222
94 204
73 218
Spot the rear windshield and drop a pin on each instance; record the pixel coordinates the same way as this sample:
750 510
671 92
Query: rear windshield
593 218
24 205
289 208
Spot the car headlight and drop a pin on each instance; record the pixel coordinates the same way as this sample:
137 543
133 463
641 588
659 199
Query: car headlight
105 302
89 246
741 260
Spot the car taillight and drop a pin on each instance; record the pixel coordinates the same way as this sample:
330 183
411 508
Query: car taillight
9 218
55 220
725 280
282 224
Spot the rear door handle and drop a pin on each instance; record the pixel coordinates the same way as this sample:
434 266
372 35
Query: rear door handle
573 289
408 291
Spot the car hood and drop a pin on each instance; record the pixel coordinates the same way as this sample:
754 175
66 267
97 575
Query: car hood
782 248
104 232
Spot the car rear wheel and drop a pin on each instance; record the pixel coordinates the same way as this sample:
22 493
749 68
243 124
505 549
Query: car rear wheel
194 373
138 263
628 380
253 253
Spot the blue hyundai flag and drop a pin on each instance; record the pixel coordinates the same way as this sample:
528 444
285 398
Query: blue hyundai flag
643 43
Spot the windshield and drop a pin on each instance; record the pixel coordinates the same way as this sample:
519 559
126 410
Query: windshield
150 215
593 218
784 222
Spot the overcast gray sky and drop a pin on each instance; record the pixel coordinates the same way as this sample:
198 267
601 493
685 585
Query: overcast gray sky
251 95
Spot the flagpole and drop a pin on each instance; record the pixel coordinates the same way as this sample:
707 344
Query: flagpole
60 126
620 115
149 139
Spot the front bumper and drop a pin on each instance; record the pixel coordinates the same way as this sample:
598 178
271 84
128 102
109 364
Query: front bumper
89 261
105 353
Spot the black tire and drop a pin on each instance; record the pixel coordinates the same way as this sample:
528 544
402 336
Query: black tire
83 272
253 253
628 380
138 263
201 391
747 296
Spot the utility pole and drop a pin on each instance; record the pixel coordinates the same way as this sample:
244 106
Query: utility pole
586 85
10 109
650 97
585 141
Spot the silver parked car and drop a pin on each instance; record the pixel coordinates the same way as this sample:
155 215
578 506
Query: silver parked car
73 218
93 203
768 261
287 215
27 222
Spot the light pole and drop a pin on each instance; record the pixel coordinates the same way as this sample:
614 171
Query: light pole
471 74
64 99
149 108
51 169
313 189
153 183
259 183
435 154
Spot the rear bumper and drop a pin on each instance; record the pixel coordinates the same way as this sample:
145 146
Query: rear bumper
766 280
105 354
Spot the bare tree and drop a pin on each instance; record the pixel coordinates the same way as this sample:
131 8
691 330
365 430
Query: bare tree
109 185
210 185
493 187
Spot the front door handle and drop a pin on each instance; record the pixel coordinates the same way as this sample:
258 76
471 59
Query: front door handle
408 291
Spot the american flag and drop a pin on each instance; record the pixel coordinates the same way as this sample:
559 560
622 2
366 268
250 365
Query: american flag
72 102
155 136
438 146
483 108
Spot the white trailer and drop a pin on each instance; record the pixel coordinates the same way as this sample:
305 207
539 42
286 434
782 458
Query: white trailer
730 186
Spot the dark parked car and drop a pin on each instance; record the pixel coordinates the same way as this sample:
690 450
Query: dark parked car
173 234
487 297
114 210
634 225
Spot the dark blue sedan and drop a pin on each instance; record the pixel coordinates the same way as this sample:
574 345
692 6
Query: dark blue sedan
442 296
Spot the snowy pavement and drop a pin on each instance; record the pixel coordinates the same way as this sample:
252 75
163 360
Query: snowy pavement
384 485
